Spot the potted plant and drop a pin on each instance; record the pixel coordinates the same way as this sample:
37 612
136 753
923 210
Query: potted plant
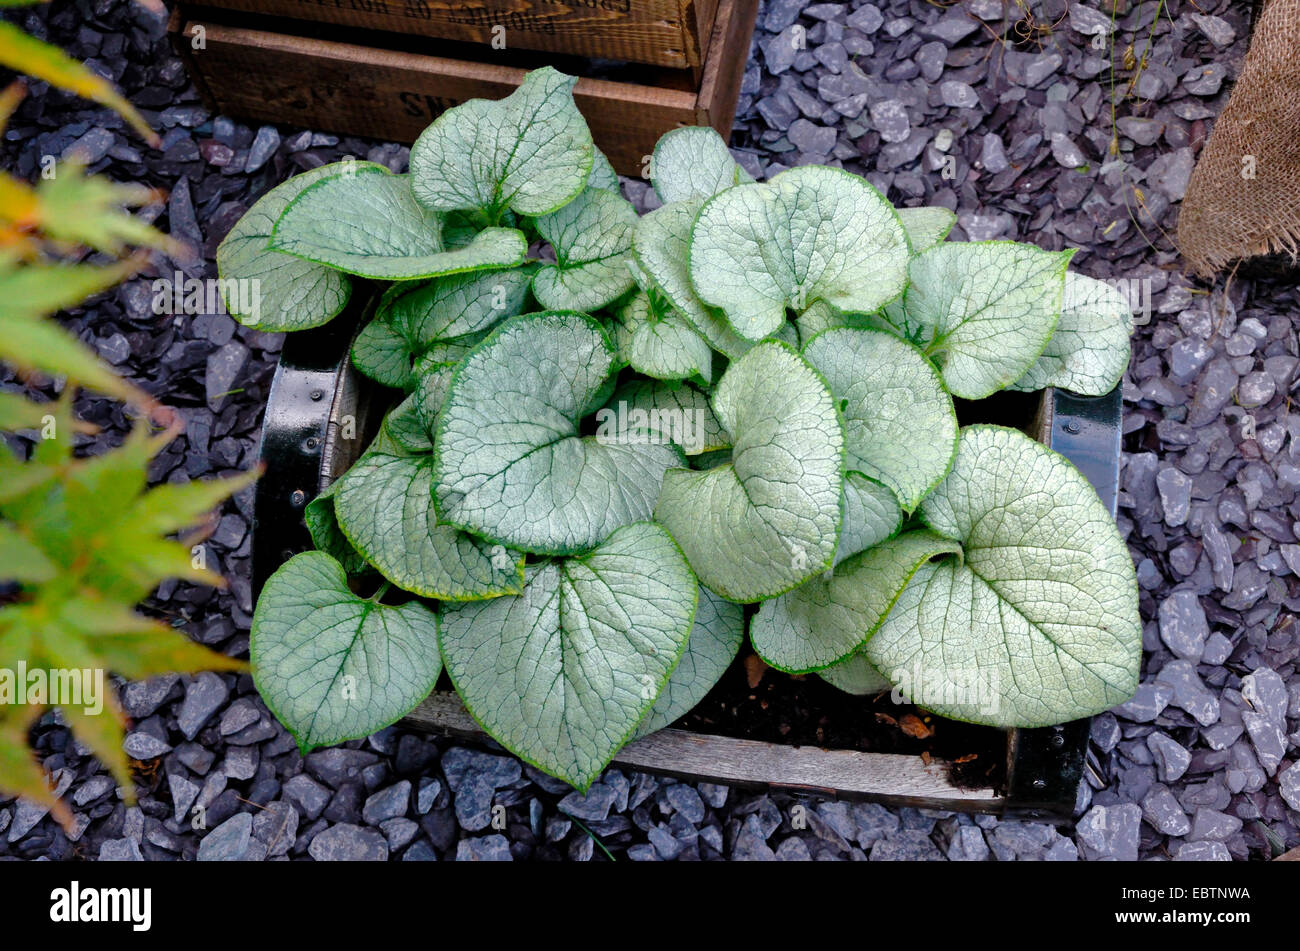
626 443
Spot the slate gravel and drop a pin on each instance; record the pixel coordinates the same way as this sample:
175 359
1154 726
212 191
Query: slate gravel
1201 765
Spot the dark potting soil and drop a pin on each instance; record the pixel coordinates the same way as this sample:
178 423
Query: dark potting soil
804 710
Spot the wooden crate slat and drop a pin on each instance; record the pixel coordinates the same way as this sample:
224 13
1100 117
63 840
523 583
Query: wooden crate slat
660 32
388 94
724 70
699 757
704 14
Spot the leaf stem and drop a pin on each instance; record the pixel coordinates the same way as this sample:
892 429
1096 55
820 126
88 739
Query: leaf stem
594 838
383 590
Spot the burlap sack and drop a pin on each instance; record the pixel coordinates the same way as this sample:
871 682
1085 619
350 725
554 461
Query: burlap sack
1243 199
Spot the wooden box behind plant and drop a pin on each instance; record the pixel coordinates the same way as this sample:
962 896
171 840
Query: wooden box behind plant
660 32
382 86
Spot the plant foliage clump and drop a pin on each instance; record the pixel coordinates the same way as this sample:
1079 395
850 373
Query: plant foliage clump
597 456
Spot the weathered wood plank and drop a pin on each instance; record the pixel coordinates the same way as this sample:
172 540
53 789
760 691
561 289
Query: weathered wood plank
393 95
704 14
698 757
725 67
671 33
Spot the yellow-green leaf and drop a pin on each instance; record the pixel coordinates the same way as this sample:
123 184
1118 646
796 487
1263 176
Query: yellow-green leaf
90 210
137 647
20 773
38 290
39 345
139 655
16 412
21 559
26 54
55 445
12 94
17 478
174 506
104 732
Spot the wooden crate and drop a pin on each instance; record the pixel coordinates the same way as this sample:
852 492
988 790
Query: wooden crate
392 93
315 389
660 32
